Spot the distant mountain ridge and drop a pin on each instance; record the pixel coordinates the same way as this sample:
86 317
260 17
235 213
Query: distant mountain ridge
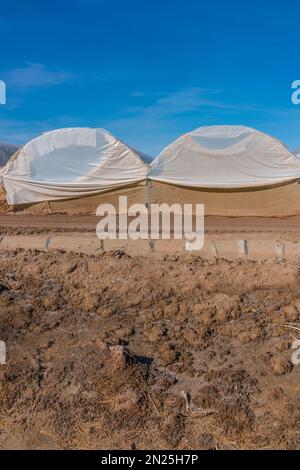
6 151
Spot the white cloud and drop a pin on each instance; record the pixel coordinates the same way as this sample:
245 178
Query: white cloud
137 94
19 132
151 127
169 115
36 75
13 131
185 101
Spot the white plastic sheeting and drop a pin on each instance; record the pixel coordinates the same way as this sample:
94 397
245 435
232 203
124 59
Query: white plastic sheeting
6 151
225 157
70 163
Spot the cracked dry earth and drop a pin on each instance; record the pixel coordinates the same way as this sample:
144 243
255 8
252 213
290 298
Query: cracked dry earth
125 352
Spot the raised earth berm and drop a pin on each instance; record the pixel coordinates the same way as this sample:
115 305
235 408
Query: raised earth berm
214 247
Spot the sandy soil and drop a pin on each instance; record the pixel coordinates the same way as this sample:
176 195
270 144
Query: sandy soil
123 352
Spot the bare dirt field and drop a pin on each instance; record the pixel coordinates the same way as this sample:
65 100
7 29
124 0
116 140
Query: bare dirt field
118 352
170 352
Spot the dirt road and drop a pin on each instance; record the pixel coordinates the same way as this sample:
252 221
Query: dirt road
212 224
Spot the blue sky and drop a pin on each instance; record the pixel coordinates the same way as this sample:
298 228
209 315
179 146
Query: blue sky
148 70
